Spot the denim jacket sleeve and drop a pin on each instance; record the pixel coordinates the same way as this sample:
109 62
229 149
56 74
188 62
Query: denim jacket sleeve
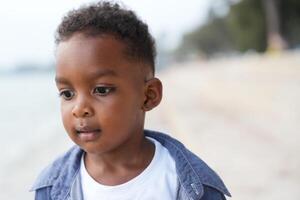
212 194
209 194
43 193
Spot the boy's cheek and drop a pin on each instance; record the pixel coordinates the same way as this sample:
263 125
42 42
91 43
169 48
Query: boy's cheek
66 117
65 109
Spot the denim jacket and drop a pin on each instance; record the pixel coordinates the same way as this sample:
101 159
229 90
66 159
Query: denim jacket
61 180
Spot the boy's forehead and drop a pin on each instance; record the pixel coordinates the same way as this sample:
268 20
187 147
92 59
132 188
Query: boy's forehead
105 51
92 44
82 49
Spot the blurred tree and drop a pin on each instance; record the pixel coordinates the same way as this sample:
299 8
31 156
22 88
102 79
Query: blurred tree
208 39
290 22
249 25
275 40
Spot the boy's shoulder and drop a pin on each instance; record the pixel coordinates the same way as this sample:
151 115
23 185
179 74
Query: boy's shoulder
195 176
64 167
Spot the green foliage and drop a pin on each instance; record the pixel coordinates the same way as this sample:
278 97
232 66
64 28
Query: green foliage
212 37
246 22
208 39
243 28
290 12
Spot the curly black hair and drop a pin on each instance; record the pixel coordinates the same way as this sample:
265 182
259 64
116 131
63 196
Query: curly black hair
110 18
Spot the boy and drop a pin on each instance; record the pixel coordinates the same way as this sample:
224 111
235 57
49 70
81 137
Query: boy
105 77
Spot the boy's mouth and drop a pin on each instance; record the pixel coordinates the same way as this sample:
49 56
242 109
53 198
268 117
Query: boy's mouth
87 133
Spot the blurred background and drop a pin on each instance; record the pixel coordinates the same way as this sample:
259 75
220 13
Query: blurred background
231 75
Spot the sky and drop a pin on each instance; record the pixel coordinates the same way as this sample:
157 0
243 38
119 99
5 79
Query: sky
27 27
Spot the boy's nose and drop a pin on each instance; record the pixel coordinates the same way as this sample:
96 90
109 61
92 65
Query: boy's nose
82 109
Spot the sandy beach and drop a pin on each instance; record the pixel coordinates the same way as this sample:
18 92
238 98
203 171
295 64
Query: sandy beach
240 115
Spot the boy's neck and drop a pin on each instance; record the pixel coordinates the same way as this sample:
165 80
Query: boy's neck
120 166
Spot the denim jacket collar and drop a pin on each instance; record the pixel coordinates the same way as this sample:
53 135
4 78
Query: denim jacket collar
60 175
192 172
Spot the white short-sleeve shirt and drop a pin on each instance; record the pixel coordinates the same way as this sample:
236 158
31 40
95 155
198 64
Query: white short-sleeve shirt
158 181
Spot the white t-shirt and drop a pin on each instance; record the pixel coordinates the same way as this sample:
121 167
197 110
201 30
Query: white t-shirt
158 181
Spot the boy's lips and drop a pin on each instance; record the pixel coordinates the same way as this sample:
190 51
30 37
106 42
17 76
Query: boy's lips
87 133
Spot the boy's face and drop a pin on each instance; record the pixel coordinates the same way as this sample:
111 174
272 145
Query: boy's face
102 93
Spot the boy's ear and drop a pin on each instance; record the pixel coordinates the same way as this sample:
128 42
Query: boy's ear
153 94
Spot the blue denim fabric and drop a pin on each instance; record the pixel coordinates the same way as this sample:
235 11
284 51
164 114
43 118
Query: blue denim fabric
61 180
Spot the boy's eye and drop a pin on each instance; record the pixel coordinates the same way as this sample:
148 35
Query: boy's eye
66 94
102 91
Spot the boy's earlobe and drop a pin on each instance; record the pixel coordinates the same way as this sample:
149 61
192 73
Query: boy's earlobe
153 94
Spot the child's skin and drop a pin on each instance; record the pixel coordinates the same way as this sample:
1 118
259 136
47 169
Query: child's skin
104 97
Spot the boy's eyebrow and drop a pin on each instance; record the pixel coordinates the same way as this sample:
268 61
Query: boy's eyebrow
97 74
61 80
103 72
